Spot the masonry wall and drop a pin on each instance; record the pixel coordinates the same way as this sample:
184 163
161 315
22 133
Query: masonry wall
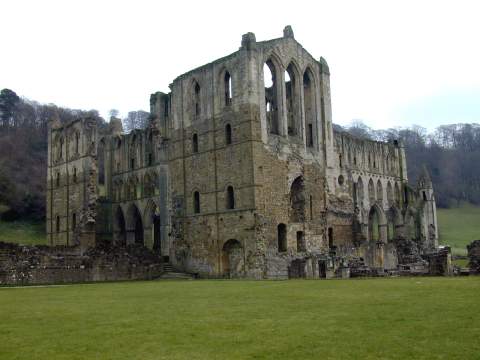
71 183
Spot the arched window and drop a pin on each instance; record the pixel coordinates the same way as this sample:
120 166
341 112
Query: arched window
271 99
227 80
197 105
195 143
308 105
330 237
360 190
74 221
282 237
228 134
300 241
196 202
297 200
58 180
57 224
74 174
230 198
61 149
291 100
371 192
379 191
77 139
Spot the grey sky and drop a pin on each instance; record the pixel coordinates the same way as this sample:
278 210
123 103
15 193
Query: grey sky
392 63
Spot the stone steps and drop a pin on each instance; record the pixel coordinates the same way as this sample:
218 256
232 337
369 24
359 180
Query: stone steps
171 273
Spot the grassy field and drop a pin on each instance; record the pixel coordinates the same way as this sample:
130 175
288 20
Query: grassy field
459 227
23 232
404 318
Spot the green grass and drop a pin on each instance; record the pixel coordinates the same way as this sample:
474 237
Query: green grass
23 232
404 318
458 227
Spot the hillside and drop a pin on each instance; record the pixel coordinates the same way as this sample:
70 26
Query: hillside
23 232
459 227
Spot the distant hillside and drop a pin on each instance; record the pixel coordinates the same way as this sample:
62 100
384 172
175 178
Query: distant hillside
459 227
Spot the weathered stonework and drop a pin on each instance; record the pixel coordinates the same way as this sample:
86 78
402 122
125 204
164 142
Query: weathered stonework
239 178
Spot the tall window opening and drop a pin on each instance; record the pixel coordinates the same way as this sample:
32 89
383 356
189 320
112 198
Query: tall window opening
196 202
197 99
300 241
228 134
58 180
195 143
282 237
297 200
132 163
77 138
291 100
330 237
308 105
271 99
74 221
57 224
230 198
228 88
74 174
310 135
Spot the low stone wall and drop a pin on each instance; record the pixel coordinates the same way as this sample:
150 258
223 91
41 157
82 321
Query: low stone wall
474 256
32 265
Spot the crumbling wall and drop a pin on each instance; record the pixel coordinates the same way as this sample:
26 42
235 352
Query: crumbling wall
31 265
474 256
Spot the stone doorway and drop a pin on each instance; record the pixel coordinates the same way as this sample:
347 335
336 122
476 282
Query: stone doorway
232 259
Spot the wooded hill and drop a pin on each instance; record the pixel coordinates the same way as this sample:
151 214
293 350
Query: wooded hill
451 154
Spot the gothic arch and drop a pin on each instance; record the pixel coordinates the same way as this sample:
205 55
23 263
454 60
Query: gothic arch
271 67
309 106
376 221
119 227
135 224
297 200
292 99
233 259
371 191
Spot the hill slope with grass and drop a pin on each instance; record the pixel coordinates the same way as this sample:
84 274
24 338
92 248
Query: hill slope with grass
23 232
458 227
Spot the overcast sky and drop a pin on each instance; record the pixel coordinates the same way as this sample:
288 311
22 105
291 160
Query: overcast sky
392 63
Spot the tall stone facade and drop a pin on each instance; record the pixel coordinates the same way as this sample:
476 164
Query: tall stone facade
240 174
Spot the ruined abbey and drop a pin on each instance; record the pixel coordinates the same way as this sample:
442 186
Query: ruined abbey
241 175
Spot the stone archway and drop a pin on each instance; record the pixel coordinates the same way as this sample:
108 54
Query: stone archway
119 228
152 225
233 259
297 200
134 226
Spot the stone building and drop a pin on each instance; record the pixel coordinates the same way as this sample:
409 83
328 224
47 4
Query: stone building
241 175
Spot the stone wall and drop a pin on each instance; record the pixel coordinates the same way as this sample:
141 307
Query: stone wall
30 265
474 256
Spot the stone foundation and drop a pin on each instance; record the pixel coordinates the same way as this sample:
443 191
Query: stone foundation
31 265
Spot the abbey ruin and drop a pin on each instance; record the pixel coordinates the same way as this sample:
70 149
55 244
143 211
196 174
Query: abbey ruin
242 175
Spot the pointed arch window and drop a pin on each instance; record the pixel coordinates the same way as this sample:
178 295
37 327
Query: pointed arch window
227 81
197 104
196 202
195 143
230 198
228 134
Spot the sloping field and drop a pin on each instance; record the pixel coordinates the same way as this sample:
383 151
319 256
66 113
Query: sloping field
458 227
23 232
405 318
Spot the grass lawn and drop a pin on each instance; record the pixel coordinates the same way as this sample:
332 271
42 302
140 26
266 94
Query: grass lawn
23 232
403 318
459 227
